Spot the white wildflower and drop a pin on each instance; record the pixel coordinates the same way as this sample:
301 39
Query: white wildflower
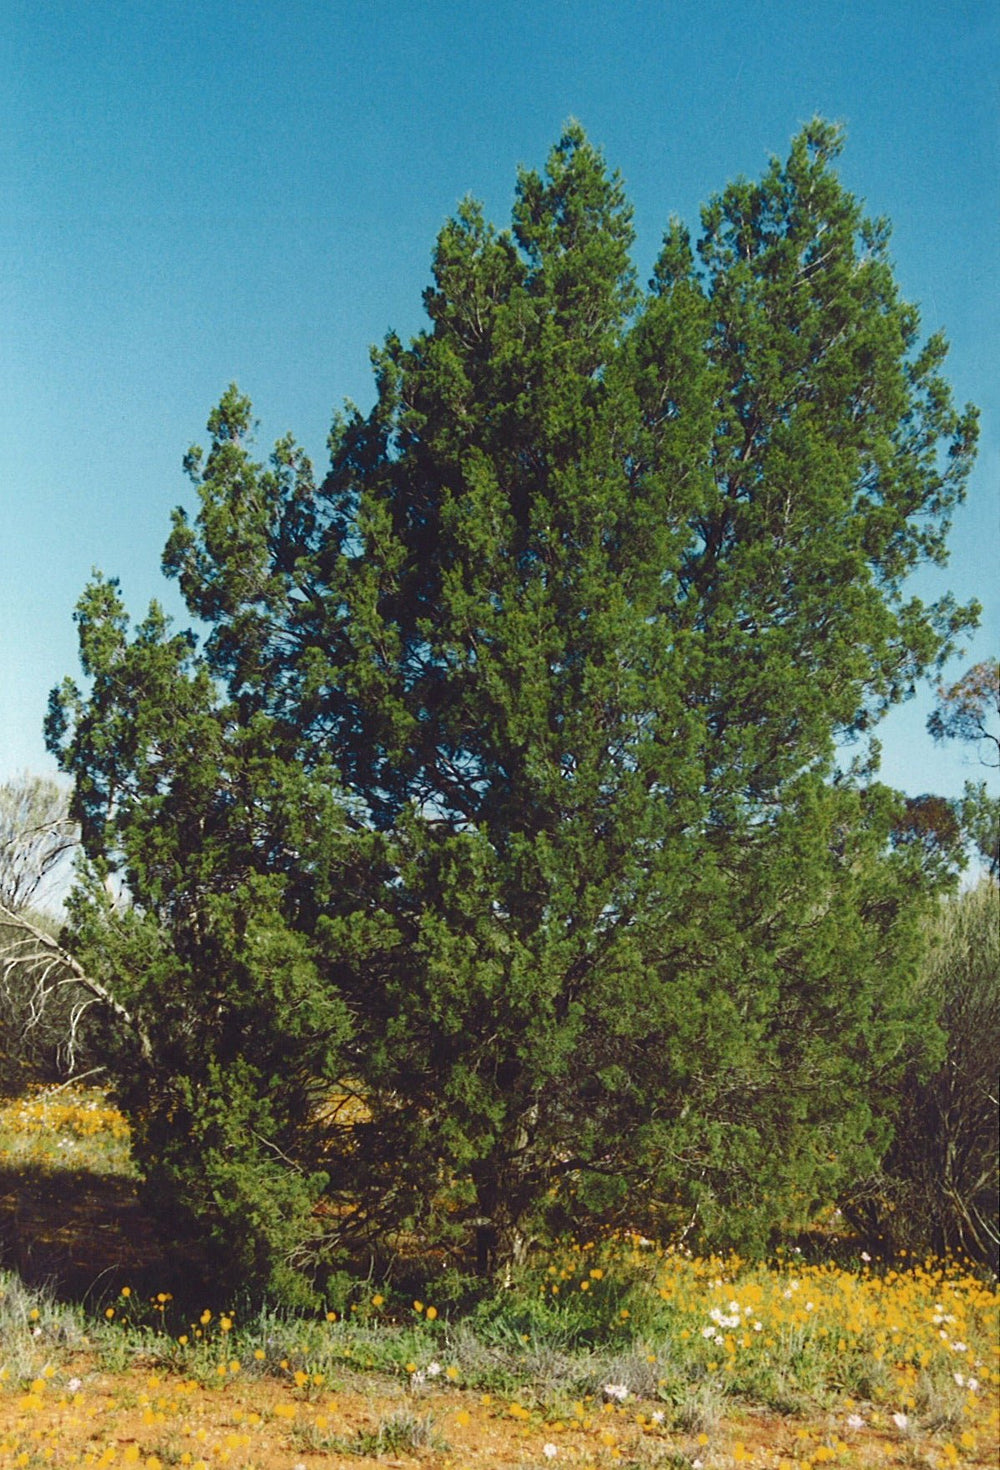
900 1421
616 1391
549 1451
719 1317
855 1421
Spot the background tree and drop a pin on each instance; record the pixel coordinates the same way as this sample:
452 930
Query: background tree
969 710
979 818
47 1001
41 1007
519 732
932 824
36 836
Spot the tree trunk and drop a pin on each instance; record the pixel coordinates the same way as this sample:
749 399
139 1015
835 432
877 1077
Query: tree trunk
501 1241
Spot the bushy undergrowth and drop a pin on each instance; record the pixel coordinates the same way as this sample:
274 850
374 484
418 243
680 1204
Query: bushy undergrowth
938 1187
35 1330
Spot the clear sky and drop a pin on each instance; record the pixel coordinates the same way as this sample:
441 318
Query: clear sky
197 193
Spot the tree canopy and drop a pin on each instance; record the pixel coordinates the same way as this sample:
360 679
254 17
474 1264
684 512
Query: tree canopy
506 793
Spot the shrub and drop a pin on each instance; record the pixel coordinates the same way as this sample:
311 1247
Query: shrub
939 1187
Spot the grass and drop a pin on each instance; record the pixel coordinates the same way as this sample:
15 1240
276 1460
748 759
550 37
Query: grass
602 1355
400 1432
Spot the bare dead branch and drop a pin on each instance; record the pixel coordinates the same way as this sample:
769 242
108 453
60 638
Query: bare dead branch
32 947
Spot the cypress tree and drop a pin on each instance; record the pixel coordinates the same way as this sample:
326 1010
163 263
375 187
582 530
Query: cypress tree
540 700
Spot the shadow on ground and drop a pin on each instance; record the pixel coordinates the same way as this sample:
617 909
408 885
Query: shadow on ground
81 1235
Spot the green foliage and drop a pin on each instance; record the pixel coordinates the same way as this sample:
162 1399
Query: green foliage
978 815
242 1034
617 1310
938 1188
503 791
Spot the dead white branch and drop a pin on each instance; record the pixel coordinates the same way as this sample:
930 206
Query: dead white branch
50 968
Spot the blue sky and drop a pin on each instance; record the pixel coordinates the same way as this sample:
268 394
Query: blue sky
195 194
